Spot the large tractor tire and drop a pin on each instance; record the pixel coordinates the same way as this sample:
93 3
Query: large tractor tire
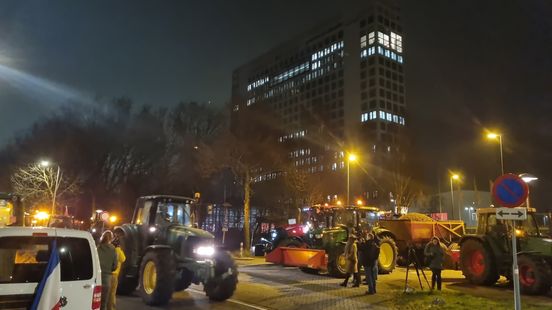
126 284
184 281
223 284
534 275
387 260
157 277
477 263
337 263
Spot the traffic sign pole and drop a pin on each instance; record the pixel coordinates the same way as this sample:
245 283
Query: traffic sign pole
511 191
515 269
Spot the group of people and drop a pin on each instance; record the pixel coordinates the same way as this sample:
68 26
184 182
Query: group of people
365 252
362 253
111 258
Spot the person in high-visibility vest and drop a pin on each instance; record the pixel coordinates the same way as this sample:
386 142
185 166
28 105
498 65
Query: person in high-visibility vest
115 277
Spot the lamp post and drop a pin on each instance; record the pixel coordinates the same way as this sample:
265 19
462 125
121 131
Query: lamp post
496 136
453 177
528 178
351 157
52 184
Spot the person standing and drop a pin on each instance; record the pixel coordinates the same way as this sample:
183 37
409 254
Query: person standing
370 254
435 254
115 276
352 260
108 263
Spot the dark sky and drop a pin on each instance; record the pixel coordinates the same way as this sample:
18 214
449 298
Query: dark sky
470 65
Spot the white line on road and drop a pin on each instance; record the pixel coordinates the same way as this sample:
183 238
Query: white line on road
232 300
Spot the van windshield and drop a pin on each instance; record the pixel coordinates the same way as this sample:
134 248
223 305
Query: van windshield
24 259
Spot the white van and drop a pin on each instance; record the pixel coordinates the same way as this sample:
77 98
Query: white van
24 254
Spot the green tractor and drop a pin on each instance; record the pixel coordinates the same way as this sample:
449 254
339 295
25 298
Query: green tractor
487 255
344 221
166 254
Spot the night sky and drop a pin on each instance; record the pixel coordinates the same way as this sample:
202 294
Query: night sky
470 65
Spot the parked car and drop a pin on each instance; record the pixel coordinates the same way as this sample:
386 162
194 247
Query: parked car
24 255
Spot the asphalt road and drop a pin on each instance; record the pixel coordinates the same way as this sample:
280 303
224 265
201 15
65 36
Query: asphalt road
274 287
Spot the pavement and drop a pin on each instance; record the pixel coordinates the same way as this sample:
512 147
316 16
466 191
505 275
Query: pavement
264 286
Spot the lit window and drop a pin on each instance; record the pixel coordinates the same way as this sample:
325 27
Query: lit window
388 116
371 38
363 41
334 166
381 114
236 108
395 118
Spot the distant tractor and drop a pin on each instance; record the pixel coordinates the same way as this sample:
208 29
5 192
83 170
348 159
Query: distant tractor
11 210
487 255
324 243
166 254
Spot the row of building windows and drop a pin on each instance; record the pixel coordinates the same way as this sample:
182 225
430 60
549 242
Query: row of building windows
328 50
306 161
299 153
382 51
392 41
293 135
266 177
257 83
386 116
292 72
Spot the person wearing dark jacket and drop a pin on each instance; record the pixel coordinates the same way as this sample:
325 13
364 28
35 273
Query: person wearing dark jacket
108 263
369 250
435 254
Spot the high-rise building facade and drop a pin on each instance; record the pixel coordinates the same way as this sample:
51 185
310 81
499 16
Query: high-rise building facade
336 89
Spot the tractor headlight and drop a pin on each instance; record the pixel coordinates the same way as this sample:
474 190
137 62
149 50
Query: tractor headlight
207 251
273 235
318 236
307 227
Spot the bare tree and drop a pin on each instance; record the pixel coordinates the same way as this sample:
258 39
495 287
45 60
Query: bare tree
403 191
42 182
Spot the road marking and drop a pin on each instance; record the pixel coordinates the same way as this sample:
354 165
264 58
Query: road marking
231 300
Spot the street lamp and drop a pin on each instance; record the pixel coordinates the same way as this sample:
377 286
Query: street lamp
528 178
351 157
456 177
496 136
56 182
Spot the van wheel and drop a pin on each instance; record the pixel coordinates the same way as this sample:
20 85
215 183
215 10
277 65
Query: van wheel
157 277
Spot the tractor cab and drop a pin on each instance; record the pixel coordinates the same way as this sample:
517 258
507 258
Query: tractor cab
530 230
354 217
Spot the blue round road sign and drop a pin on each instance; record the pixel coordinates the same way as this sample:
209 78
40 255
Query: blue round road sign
510 191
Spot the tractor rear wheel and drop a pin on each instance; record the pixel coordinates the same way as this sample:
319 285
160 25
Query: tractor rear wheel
157 277
476 262
126 285
223 284
534 275
387 259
